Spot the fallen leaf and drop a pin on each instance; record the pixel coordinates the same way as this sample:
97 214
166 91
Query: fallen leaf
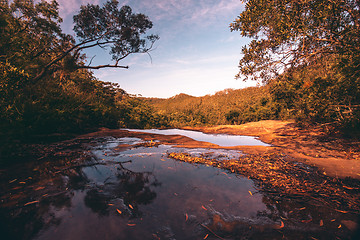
186 217
206 236
118 211
130 206
204 207
30 203
339 226
131 224
250 193
282 224
341 211
156 236
306 221
321 223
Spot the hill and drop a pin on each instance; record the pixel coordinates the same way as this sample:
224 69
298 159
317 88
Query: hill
230 106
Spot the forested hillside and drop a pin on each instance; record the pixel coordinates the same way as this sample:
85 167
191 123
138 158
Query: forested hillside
230 106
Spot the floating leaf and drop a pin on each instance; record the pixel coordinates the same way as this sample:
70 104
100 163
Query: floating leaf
30 203
306 221
341 211
156 236
13 180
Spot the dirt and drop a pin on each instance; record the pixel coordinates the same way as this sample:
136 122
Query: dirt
335 157
323 193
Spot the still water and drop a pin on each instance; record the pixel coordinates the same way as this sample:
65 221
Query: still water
223 140
133 193
116 188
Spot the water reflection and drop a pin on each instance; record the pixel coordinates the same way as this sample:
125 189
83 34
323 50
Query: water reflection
223 140
110 192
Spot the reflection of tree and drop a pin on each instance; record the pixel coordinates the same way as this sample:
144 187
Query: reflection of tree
30 207
134 188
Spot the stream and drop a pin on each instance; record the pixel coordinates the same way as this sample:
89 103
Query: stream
121 188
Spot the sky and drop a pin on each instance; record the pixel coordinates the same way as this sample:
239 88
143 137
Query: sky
197 54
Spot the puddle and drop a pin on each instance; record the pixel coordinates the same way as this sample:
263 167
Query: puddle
138 193
223 140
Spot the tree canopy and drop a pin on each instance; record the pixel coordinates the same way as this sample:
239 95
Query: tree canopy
33 40
309 51
289 33
46 86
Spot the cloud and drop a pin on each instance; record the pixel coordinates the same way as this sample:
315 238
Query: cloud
70 7
177 13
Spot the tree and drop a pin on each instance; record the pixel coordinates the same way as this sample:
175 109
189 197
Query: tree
310 50
290 33
45 85
32 37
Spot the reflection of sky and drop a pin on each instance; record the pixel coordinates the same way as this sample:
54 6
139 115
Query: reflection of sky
161 192
138 192
218 139
196 54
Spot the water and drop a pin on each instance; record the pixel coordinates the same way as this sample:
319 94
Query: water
223 140
136 193
113 188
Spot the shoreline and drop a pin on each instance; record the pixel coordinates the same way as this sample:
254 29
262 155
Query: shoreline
334 157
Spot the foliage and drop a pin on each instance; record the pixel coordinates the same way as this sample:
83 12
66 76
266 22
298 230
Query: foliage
229 106
33 40
309 52
137 113
291 33
45 86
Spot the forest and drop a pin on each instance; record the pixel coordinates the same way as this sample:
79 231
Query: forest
69 163
47 89
308 70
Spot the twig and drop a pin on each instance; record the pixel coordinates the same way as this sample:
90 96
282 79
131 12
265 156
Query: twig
211 231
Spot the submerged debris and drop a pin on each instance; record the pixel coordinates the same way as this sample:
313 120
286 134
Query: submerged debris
276 175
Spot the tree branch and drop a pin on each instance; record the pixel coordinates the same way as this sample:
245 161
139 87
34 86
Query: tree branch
102 66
